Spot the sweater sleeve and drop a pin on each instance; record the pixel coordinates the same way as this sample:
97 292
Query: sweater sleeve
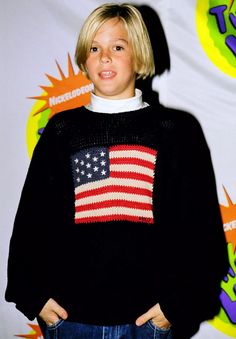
28 283
196 250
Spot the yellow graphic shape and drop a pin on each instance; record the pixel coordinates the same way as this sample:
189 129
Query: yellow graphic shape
35 122
206 40
223 327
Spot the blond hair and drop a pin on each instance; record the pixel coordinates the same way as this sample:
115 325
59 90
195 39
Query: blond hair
137 34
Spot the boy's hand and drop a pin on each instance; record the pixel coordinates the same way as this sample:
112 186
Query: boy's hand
52 312
156 315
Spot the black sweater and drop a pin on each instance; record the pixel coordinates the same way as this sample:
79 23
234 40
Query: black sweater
119 212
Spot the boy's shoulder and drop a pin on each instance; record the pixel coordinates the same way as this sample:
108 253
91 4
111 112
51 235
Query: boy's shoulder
65 119
174 119
67 115
174 114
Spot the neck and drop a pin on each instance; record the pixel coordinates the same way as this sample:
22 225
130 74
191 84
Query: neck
103 105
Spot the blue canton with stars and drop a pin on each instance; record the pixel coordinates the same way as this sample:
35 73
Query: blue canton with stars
90 165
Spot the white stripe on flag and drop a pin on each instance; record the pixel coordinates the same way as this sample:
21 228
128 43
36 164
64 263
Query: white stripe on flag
113 196
113 181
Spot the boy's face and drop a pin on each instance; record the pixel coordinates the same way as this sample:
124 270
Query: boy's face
110 64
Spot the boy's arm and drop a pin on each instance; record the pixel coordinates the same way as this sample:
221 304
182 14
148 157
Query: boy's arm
196 248
30 248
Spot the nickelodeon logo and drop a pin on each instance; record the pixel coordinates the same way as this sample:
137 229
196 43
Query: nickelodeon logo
68 96
63 94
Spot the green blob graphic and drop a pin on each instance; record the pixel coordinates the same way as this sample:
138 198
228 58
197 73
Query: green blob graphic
218 37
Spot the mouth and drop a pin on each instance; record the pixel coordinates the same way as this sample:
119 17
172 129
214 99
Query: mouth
107 74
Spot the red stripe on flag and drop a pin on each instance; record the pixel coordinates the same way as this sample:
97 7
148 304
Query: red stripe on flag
133 148
114 203
114 217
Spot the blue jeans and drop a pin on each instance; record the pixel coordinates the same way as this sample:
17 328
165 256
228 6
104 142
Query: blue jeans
70 330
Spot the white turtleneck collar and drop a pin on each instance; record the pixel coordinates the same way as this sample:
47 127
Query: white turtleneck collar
102 105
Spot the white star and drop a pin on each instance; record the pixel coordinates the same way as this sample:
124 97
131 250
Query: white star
95 159
102 154
77 170
82 162
78 179
103 172
95 169
103 163
87 155
89 175
82 172
88 165
76 160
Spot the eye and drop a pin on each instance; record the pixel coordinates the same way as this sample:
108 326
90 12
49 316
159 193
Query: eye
93 49
118 48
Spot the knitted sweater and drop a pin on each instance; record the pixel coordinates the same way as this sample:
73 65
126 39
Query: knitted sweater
119 212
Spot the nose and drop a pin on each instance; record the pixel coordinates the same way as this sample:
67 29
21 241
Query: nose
105 57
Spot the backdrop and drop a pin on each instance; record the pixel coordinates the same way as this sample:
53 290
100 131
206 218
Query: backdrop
196 72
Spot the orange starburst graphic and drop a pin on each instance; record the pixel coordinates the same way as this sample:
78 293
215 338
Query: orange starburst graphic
231 2
229 219
36 335
65 93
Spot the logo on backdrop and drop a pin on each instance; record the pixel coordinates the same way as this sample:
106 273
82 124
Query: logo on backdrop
65 93
216 28
226 320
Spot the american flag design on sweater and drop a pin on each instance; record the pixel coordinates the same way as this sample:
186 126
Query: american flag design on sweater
114 183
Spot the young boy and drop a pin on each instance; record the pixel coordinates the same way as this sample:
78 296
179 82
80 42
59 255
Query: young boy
118 232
